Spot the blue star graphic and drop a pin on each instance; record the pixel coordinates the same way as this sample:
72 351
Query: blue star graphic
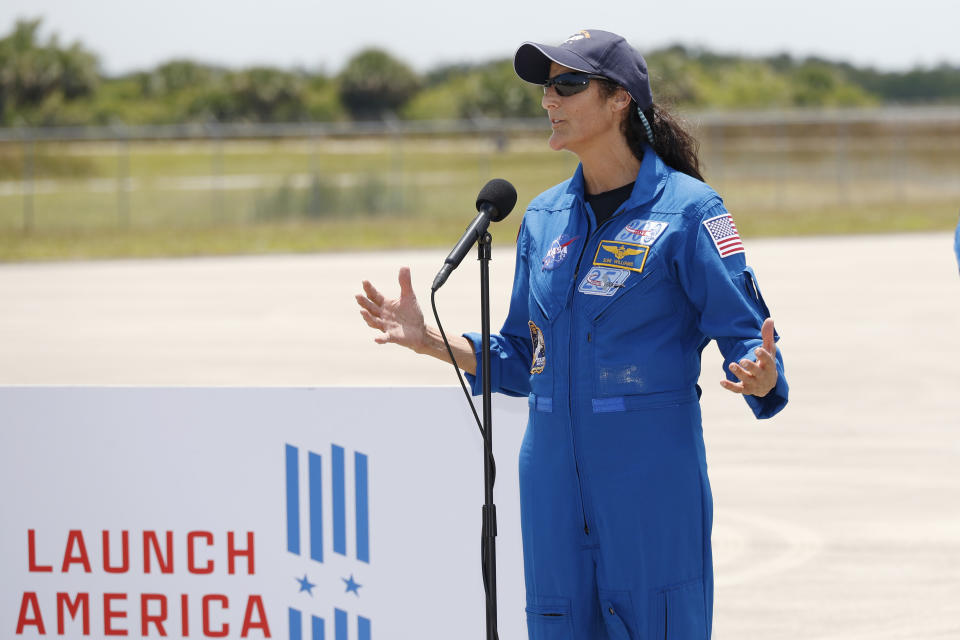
352 586
305 585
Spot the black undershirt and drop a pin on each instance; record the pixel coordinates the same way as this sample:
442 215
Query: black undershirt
604 204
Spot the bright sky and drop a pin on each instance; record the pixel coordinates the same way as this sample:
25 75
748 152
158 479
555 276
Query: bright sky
321 34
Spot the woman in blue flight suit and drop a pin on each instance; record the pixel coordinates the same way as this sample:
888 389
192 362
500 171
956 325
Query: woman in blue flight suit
624 273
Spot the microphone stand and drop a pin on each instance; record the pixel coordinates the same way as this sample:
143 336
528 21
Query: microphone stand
488 538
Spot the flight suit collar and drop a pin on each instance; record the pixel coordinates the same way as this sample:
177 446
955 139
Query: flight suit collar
649 183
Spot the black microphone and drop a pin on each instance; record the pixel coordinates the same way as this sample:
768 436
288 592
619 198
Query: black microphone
494 202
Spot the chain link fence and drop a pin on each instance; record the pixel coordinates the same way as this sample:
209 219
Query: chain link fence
781 163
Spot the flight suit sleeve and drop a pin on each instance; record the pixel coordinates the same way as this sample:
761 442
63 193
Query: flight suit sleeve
511 350
725 292
956 244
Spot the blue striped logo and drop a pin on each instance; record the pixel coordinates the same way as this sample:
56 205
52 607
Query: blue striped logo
313 539
318 627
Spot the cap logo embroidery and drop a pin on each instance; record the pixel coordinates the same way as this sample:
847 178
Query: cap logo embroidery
579 35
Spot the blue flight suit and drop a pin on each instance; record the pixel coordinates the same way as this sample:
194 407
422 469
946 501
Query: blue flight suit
956 244
604 335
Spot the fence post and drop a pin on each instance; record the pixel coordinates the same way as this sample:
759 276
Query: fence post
29 157
899 164
842 162
718 140
216 166
123 179
780 186
396 191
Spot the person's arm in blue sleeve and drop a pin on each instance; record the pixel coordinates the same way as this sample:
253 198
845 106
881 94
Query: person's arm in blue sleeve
956 244
731 310
400 321
511 351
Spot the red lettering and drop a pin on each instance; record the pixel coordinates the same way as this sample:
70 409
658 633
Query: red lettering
191 558
255 602
232 552
72 608
75 539
224 628
109 614
184 616
124 552
150 541
30 600
32 554
146 617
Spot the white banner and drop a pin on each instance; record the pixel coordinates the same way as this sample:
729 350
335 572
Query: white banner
308 514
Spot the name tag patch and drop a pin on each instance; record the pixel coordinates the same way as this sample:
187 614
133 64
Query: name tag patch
603 281
625 255
539 349
642 231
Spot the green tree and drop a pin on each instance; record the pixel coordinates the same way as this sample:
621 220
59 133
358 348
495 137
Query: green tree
374 84
817 83
491 90
177 75
260 94
33 74
497 92
676 77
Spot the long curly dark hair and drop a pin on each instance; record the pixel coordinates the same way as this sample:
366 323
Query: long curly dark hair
671 141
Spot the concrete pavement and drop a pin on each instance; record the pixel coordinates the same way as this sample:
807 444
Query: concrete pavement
840 518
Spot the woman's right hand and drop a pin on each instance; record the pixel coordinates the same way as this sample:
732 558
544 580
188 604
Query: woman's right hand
399 319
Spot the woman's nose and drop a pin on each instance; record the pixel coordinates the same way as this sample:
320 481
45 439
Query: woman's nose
550 98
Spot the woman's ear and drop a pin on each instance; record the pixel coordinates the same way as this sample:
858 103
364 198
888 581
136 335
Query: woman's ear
620 100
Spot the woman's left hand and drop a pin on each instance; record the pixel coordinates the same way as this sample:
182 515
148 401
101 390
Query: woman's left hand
756 378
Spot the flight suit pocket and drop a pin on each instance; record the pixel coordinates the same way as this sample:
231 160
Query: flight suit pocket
682 612
753 291
550 619
617 610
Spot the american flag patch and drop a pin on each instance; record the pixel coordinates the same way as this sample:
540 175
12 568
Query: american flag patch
724 233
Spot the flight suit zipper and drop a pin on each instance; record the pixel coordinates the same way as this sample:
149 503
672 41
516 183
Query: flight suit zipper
573 440
573 437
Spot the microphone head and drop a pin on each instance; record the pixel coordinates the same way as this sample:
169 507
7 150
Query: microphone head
499 196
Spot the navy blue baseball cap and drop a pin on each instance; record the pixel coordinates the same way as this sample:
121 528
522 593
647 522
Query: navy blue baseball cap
590 51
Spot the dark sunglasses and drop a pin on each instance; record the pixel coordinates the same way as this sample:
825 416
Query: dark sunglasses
570 83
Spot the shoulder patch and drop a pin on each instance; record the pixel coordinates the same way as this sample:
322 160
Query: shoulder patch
539 348
557 252
724 234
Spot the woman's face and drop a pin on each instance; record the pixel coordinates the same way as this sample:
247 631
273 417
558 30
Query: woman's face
584 120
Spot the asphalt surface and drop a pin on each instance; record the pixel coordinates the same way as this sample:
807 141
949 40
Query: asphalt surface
839 518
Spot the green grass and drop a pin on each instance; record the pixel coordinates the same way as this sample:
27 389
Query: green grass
248 197
395 232
292 237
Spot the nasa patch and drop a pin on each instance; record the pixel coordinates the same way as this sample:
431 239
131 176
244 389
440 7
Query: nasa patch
558 251
644 232
603 281
539 349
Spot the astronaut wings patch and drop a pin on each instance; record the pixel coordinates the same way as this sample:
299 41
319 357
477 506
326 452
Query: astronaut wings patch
724 234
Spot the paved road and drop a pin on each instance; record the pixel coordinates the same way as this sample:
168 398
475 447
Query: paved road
839 519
